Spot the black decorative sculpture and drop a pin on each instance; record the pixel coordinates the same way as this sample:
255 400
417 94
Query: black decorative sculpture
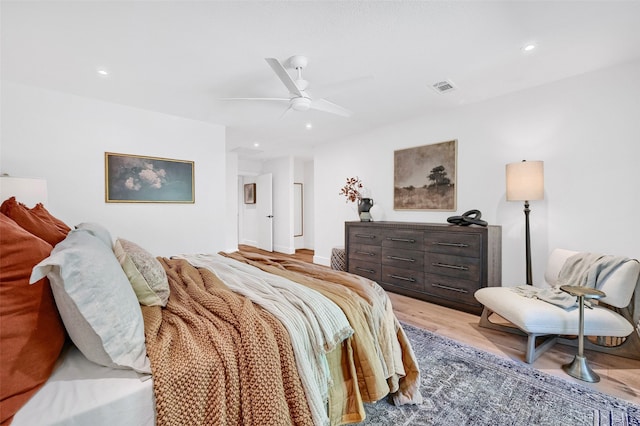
471 217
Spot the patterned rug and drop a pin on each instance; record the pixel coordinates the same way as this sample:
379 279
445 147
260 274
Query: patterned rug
464 386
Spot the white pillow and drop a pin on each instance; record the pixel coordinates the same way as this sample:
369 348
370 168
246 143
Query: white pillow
99 231
96 302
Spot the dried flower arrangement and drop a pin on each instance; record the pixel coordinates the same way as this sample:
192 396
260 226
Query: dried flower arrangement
352 189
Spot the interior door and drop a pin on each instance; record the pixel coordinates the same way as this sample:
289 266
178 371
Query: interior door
264 209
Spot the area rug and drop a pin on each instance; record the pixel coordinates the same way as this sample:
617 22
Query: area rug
464 386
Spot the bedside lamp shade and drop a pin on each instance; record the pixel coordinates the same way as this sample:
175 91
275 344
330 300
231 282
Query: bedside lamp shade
525 181
28 191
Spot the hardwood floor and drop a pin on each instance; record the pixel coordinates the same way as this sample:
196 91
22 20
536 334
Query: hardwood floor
619 376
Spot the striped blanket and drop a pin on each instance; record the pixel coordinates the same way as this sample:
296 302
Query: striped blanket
382 355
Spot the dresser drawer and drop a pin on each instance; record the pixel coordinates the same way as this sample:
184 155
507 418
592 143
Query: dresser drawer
369 270
407 239
466 268
402 277
455 243
451 288
399 258
362 235
365 253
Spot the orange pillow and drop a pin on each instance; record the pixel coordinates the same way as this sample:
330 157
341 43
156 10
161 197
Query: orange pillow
46 230
31 331
44 214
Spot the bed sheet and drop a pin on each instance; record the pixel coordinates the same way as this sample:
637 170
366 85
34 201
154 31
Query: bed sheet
80 392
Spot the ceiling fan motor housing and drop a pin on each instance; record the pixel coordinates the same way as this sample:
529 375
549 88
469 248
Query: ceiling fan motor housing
298 61
300 104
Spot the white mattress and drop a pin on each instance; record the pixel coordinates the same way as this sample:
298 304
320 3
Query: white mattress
80 392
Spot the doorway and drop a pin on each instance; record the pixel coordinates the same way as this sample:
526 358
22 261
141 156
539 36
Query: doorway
264 211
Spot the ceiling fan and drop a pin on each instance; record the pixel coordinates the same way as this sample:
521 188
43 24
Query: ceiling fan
298 99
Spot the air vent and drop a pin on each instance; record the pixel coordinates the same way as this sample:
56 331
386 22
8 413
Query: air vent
444 86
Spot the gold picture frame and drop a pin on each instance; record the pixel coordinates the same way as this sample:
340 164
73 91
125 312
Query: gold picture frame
425 177
142 179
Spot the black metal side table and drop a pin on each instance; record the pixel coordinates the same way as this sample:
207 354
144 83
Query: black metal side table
579 368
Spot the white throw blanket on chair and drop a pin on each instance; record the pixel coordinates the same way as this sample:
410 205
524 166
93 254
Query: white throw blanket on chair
581 269
588 269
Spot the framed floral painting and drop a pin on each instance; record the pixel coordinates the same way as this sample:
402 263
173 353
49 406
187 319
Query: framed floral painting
140 179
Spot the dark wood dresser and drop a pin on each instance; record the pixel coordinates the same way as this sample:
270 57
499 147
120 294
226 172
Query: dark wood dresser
439 263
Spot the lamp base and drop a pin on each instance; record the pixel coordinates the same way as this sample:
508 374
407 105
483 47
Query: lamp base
579 368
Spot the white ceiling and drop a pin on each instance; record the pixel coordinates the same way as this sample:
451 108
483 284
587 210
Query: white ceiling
378 59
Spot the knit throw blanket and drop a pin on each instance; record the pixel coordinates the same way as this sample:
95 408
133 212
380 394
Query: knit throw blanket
218 359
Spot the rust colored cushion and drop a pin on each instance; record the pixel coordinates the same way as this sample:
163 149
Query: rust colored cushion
31 330
44 214
39 227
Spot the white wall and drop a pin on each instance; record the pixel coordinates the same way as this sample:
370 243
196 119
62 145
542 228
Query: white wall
282 171
63 138
308 206
232 202
585 129
298 177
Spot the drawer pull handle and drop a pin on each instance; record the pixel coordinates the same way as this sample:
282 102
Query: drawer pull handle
446 287
398 277
405 259
437 243
366 236
370 271
368 253
444 265
402 240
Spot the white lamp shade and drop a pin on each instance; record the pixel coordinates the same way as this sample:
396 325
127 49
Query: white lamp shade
525 181
27 191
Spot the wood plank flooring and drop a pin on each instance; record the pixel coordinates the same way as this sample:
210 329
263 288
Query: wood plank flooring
619 376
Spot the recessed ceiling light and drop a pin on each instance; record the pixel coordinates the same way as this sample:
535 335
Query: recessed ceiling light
529 47
103 72
256 144
308 125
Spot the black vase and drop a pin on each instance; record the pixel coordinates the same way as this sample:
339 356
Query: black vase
364 205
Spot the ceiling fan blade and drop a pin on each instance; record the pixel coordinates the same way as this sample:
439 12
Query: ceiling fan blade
286 111
284 76
254 99
326 106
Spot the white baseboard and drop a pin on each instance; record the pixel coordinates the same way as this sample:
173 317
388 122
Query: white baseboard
283 249
325 261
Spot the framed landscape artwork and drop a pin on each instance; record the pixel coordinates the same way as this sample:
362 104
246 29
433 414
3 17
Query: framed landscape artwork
250 193
140 179
424 177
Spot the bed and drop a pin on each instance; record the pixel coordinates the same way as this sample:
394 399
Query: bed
106 333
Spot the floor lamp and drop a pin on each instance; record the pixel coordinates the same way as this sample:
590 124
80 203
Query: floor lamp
525 182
